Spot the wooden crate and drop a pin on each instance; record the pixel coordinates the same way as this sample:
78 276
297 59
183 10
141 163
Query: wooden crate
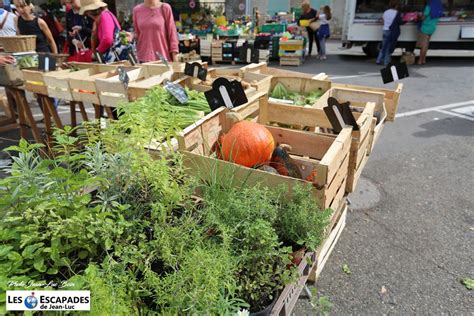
291 45
216 50
57 83
248 110
359 98
312 263
263 68
175 66
391 97
301 85
112 91
203 86
327 154
261 82
139 89
82 83
314 119
10 75
35 79
291 61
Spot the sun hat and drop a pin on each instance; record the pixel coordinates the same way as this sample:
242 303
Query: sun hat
90 5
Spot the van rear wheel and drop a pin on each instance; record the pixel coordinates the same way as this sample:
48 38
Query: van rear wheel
372 49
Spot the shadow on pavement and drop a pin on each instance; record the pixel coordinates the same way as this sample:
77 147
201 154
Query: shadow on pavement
448 126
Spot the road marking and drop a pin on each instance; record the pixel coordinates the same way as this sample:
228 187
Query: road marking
433 108
370 74
467 117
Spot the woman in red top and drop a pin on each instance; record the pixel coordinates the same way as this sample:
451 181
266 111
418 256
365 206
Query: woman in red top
155 31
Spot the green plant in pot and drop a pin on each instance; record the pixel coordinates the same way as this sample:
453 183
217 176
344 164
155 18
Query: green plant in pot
262 264
300 222
245 216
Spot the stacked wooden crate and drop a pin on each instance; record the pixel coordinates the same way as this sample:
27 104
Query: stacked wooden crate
206 48
291 52
216 50
263 55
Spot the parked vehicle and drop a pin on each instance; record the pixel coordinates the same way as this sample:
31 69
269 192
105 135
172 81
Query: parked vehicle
363 25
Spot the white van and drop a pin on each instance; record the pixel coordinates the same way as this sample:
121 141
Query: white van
362 25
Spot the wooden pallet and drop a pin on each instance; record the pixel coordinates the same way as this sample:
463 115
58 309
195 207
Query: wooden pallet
327 154
312 265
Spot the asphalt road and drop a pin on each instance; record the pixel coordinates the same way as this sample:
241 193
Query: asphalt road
406 252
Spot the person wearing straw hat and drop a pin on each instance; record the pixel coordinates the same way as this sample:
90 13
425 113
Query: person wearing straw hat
28 24
78 27
106 26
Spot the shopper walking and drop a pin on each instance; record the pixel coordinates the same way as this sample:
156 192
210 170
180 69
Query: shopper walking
155 31
29 24
78 27
105 32
7 22
388 33
311 15
323 31
431 13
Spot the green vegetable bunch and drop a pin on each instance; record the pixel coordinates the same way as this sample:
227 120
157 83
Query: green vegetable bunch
280 92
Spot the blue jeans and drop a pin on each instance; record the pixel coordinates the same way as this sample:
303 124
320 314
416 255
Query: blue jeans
384 55
322 45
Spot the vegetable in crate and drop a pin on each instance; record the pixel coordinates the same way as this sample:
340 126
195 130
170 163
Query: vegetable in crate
284 164
247 143
27 61
280 92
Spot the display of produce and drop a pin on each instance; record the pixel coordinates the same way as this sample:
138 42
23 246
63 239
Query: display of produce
248 144
281 93
183 114
27 61
232 223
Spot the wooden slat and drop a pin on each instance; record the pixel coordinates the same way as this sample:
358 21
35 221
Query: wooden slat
336 154
330 243
392 97
354 177
331 198
303 143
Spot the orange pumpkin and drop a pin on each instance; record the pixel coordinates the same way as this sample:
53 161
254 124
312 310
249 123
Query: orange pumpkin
247 143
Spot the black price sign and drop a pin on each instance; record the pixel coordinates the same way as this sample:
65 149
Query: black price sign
226 93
